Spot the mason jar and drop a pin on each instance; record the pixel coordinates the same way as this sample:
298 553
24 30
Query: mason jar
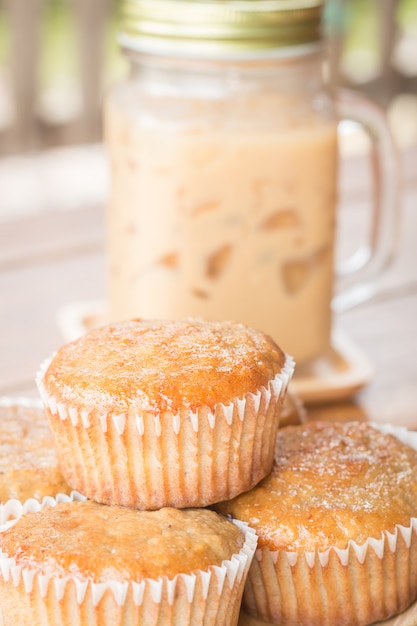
224 159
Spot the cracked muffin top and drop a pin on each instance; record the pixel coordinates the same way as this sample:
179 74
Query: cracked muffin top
163 365
331 483
112 543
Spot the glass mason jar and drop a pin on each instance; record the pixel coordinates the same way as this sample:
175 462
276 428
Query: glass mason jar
224 158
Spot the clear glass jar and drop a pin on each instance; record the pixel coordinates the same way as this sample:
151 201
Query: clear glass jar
224 177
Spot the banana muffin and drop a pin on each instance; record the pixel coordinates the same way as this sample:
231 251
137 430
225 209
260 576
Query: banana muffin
337 526
88 564
154 413
28 462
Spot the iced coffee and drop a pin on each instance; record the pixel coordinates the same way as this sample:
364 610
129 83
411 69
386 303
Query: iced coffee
207 219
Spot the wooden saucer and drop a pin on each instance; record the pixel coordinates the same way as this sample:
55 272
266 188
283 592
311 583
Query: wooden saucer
336 376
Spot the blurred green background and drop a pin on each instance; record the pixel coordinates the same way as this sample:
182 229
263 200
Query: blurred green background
358 19
59 95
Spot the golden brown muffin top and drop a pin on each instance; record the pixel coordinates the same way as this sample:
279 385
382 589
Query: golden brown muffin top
156 365
28 462
331 482
102 543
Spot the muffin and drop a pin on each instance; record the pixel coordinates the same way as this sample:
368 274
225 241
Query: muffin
28 462
87 564
337 523
151 413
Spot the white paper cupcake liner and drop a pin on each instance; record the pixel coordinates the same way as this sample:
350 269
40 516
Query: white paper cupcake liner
185 459
355 586
267 397
11 510
211 597
407 618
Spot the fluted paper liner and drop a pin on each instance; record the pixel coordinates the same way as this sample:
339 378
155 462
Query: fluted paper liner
355 586
13 508
209 597
185 459
406 618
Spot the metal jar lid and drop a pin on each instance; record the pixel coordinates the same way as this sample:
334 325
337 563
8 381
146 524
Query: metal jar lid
219 28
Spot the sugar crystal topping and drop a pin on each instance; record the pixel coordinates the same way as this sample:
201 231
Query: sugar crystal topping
158 366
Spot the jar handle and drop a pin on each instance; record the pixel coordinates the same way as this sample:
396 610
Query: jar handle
358 276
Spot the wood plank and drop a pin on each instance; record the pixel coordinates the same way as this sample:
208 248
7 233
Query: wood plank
30 299
52 235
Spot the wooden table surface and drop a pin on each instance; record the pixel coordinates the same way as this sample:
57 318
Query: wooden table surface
56 257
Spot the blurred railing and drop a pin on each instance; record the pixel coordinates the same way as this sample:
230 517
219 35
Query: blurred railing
373 46
34 116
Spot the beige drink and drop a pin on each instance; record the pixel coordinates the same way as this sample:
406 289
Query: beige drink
224 224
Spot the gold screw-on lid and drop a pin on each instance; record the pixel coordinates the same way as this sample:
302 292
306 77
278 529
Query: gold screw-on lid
217 28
